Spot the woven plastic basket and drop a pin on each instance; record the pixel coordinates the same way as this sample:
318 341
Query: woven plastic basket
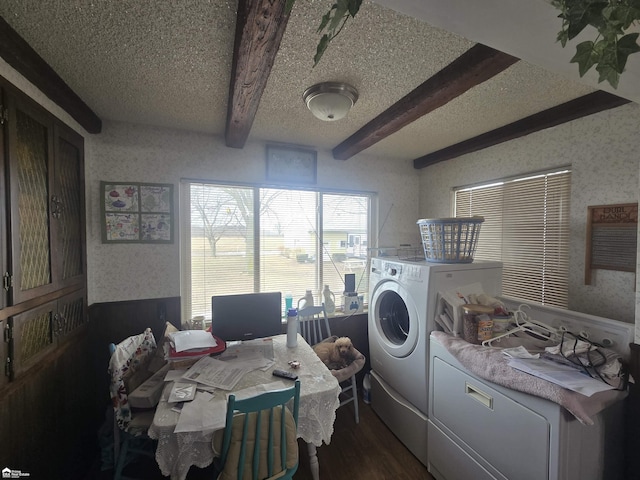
450 240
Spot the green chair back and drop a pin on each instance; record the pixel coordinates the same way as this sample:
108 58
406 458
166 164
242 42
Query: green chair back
260 436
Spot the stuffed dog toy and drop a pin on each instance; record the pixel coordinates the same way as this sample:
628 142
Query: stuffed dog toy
335 352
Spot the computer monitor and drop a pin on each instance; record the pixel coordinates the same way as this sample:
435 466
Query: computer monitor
246 316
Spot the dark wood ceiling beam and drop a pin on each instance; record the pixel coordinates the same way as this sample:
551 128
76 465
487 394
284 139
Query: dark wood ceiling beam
19 54
579 107
473 67
260 26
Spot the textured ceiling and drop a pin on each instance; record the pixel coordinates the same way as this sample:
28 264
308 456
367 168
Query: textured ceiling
168 63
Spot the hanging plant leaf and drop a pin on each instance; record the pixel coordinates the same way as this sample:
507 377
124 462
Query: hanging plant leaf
625 46
333 22
322 46
621 15
586 57
289 6
609 74
611 48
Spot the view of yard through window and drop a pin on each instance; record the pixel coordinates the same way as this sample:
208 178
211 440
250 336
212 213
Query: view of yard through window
299 240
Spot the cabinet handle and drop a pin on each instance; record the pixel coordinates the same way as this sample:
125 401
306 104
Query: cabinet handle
478 395
56 206
58 324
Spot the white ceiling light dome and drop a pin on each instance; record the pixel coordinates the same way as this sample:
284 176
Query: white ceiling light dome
330 101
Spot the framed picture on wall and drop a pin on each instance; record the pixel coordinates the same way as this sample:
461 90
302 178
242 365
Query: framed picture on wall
134 212
291 164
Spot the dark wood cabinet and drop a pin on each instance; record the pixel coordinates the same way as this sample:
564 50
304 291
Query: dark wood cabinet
47 378
42 234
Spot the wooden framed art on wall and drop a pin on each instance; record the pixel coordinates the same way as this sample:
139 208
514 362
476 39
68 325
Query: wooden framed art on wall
291 164
133 212
612 232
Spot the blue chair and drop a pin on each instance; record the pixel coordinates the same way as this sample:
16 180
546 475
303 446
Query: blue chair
260 436
130 439
313 325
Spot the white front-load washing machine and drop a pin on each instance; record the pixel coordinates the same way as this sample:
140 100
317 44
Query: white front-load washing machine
402 308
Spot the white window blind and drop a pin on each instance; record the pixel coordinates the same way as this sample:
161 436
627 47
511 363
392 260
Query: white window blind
527 228
239 239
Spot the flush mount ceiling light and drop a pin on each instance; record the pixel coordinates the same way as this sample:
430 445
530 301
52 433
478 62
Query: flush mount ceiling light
330 101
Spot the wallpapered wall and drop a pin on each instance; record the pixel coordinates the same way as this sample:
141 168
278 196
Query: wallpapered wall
603 151
126 152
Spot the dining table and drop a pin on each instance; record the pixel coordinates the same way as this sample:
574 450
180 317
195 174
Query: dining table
178 450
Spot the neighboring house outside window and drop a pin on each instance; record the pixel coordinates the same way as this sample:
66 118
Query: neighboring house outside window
246 239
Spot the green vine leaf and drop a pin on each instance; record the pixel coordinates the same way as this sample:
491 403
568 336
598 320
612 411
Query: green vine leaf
611 48
625 46
289 6
320 49
586 57
333 21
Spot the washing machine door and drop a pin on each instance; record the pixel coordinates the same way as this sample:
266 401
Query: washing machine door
394 320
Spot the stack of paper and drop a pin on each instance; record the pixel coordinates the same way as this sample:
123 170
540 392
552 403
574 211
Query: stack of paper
563 375
191 339
191 344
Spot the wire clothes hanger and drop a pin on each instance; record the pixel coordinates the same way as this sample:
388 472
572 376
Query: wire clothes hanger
534 328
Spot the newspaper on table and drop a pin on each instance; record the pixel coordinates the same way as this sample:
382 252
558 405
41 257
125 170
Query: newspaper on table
203 414
216 373
254 354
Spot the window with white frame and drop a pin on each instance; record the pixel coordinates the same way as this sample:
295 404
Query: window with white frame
246 239
527 228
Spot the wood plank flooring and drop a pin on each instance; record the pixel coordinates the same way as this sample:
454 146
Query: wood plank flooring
364 451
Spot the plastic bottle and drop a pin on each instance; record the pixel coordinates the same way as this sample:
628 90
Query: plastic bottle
292 328
288 302
306 301
329 300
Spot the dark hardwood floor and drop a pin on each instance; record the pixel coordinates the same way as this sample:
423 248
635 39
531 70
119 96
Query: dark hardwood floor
364 451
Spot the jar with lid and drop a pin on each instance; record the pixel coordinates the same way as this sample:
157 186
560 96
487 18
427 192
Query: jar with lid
477 325
329 300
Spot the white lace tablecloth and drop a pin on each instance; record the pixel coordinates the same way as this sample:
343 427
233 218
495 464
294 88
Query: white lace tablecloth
319 391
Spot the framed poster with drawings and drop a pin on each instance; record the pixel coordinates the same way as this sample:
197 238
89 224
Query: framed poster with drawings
133 212
291 164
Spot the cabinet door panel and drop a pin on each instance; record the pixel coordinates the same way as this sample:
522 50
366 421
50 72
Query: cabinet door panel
30 147
71 316
67 204
32 337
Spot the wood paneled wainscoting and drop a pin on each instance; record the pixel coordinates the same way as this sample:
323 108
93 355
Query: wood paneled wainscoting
46 415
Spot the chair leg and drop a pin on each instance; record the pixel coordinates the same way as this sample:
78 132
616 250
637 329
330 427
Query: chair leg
122 458
116 443
354 390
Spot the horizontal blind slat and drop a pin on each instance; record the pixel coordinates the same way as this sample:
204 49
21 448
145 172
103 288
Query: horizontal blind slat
526 227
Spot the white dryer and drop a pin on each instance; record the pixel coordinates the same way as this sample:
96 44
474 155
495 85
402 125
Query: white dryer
402 306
